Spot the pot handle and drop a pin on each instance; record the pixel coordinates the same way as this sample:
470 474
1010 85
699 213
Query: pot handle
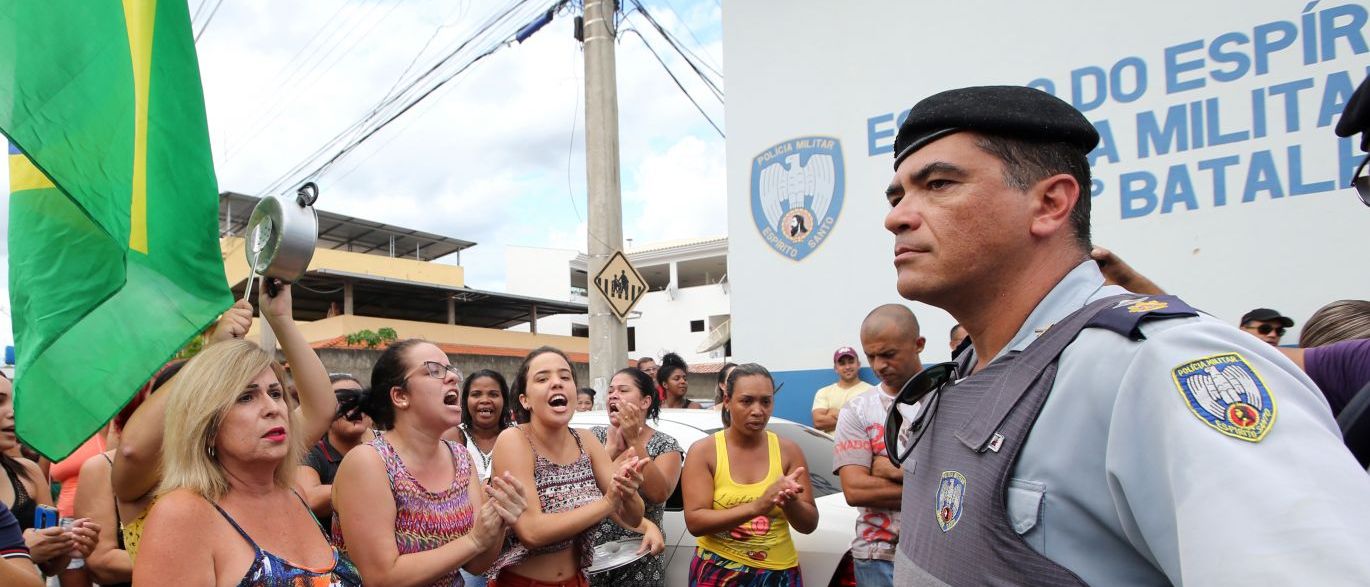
307 194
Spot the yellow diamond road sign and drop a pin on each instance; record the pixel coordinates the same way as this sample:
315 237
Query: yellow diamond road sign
620 284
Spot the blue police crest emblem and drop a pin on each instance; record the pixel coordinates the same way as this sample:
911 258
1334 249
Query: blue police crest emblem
797 189
951 491
1227 394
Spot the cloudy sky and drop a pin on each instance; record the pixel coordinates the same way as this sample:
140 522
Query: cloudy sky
496 156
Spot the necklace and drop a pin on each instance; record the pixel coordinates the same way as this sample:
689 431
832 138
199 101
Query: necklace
485 456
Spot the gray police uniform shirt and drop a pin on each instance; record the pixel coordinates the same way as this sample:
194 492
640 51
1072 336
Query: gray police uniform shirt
1124 482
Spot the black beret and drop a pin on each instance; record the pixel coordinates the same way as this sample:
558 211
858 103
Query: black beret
1355 118
1008 111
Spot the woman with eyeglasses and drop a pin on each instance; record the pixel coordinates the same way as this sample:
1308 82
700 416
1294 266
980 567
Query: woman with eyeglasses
409 508
227 512
674 378
632 403
350 428
744 488
577 484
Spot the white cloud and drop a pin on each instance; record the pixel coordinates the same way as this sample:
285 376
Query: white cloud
488 158
682 193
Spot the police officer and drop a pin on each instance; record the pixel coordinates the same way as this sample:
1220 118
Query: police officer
1090 435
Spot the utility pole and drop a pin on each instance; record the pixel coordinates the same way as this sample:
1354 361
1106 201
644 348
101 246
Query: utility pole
608 336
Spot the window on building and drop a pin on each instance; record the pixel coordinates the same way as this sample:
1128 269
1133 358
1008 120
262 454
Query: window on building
580 330
696 326
632 338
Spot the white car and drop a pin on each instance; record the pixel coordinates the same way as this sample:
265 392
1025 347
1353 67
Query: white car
824 555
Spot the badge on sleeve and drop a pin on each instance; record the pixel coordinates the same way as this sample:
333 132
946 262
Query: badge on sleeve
951 491
1227 394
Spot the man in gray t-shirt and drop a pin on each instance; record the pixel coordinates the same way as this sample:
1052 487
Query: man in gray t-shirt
891 341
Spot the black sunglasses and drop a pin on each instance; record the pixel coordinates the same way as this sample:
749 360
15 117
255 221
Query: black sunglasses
926 386
1266 329
1362 182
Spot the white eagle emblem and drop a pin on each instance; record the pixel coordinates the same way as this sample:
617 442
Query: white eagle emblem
797 190
1226 393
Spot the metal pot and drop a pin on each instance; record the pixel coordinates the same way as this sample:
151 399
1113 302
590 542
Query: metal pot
281 235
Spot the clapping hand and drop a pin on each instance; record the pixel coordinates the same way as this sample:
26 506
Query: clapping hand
783 491
630 419
508 496
627 478
504 503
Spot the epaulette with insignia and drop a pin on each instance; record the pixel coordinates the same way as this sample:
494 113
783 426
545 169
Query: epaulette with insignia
1127 314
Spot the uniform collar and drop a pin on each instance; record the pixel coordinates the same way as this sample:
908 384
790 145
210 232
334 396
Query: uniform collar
1082 285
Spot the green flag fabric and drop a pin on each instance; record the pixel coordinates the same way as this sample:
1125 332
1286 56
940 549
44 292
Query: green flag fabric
113 236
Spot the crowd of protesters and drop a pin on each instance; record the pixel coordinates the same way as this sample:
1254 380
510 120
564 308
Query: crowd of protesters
224 469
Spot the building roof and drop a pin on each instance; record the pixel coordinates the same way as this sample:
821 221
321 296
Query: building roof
451 349
387 297
347 233
685 243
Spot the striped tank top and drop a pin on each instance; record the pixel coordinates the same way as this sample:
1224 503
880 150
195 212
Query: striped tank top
425 520
762 542
560 488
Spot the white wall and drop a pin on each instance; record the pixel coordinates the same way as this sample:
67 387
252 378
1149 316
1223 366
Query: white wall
540 272
803 67
799 68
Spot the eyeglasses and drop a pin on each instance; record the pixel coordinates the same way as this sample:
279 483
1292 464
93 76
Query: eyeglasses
437 370
926 386
1362 182
1267 329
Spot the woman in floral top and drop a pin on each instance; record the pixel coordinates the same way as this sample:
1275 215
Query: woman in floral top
632 400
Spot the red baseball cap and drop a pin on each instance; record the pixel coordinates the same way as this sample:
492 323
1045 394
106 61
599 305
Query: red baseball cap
845 351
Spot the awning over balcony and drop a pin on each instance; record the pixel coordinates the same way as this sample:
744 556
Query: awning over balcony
326 292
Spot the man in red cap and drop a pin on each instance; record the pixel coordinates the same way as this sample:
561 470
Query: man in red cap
828 402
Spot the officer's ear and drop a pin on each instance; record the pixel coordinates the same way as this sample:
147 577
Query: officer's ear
1052 199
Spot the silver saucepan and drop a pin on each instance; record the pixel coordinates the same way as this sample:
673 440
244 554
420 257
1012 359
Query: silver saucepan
281 235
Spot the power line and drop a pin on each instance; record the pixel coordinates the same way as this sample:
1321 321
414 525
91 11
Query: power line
676 80
205 26
487 40
685 54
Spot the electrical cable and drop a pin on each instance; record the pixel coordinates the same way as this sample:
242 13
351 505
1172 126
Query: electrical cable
205 26
418 89
677 81
684 54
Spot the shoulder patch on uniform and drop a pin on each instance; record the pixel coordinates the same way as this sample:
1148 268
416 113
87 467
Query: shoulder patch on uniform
1126 315
951 491
1227 394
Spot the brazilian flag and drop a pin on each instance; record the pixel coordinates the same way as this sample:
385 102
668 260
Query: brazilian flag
113 242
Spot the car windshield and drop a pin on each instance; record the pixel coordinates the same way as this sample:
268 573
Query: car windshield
817 449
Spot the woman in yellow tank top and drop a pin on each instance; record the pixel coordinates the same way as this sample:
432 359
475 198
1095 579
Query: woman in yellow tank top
744 488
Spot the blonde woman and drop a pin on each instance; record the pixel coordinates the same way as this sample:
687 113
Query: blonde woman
136 470
228 468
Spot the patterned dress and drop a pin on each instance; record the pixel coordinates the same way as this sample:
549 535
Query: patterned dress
560 488
649 570
425 520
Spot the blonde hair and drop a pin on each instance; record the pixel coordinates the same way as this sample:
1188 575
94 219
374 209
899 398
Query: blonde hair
200 397
1335 322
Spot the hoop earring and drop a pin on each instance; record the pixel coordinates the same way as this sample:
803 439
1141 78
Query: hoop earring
210 449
